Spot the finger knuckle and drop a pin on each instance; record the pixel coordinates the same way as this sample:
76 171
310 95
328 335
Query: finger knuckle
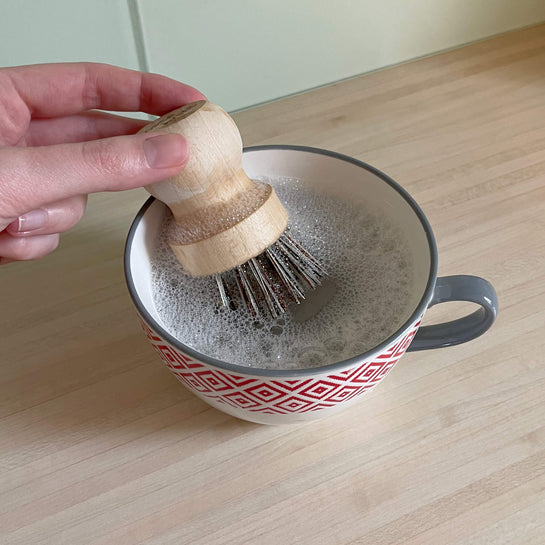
103 157
16 188
14 113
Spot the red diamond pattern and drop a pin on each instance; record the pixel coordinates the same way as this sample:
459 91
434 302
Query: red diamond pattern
268 396
294 404
319 389
344 393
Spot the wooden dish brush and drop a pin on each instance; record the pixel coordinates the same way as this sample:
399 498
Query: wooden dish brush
225 224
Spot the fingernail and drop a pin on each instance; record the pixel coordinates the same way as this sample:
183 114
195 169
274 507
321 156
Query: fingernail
35 219
166 150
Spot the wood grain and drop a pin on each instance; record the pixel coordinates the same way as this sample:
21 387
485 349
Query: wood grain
100 445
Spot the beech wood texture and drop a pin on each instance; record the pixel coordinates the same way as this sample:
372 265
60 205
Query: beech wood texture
222 218
100 445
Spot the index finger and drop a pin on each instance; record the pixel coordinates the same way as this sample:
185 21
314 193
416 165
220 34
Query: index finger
51 90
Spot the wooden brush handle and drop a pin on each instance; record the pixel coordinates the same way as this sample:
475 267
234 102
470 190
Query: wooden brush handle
222 218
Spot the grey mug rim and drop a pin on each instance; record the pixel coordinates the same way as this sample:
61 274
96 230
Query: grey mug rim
297 372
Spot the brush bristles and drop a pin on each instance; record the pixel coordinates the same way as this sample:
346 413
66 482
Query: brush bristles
271 281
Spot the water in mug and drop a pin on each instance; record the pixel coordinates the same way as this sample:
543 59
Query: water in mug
364 300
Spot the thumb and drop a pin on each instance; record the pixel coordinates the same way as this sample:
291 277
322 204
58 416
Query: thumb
31 177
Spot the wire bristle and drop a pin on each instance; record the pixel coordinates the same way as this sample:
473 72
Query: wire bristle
272 280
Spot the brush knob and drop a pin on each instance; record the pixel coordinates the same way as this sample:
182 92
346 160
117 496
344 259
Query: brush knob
222 218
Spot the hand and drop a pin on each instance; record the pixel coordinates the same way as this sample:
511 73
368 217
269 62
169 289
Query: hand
54 150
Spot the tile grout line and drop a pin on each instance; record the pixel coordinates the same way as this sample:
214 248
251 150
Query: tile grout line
138 35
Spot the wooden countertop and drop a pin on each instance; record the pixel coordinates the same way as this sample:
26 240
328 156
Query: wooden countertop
99 444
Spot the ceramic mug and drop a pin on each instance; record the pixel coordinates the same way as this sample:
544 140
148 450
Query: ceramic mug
274 396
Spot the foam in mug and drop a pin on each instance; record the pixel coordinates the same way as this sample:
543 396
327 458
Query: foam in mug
364 299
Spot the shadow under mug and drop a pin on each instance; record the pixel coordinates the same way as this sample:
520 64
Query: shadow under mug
274 396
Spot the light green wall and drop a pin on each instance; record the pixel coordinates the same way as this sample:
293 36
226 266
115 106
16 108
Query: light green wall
244 52
37 31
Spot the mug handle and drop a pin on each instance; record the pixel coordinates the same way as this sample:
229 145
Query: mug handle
459 288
